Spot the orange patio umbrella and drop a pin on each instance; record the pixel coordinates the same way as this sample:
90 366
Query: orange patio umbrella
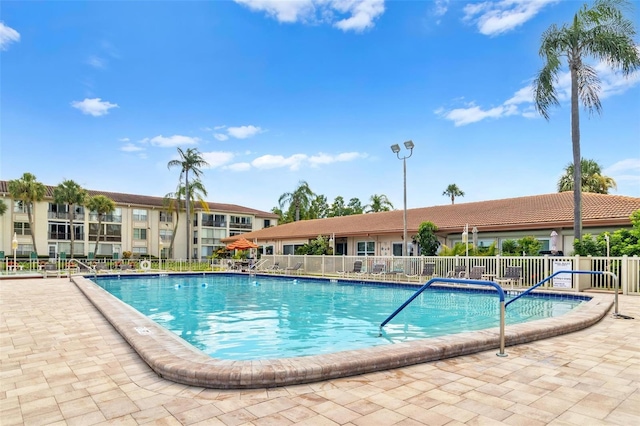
241 244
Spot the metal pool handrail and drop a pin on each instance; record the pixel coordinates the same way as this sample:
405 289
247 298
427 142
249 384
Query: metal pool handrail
615 279
462 281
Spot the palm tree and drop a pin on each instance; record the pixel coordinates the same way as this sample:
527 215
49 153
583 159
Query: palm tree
379 203
592 178
453 191
102 205
172 202
3 209
71 194
601 32
190 161
299 199
28 190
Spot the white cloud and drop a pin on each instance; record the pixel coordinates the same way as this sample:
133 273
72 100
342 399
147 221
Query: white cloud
124 139
170 141
129 147
322 158
220 136
239 167
95 107
243 132
522 102
219 127
217 158
363 13
277 161
494 18
473 113
360 13
628 169
7 36
96 62
524 95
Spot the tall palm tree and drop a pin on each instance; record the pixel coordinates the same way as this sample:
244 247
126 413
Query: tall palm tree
592 178
190 161
173 201
379 203
28 190
299 199
71 194
601 32
103 206
453 191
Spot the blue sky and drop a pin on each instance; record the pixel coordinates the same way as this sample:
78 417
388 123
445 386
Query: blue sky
276 92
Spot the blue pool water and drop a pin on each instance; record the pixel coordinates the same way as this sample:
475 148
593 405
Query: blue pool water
239 317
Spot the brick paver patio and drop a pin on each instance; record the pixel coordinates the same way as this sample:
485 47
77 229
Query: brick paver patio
63 363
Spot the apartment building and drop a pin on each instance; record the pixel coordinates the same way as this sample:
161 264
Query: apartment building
140 224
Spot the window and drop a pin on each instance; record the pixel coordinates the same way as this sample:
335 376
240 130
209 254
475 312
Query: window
290 248
366 248
240 222
22 228
139 215
58 211
139 234
19 206
116 216
165 235
139 250
212 236
166 217
267 223
24 249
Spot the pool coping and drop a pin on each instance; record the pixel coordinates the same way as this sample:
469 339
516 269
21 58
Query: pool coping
175 359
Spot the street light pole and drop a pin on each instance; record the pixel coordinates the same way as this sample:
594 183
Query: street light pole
396 149
14 246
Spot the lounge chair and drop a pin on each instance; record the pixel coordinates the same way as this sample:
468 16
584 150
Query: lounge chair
428 270
357 269
512 275
274 268
295 268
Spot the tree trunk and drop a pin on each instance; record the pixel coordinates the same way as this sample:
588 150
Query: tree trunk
95 250
575 143
186 196
32 226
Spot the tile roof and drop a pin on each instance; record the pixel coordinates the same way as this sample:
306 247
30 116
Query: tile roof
532 212
149 201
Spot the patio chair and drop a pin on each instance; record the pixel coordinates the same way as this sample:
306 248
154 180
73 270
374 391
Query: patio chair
357 269
512 275
378 270
457 272
428 270
295 268
475 273
51 269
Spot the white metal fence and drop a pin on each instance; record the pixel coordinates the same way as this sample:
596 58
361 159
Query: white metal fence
534 268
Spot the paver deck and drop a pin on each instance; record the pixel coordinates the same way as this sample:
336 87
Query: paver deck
61 362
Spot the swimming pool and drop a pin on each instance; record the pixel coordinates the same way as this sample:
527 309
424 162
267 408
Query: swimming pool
241 317
173 358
